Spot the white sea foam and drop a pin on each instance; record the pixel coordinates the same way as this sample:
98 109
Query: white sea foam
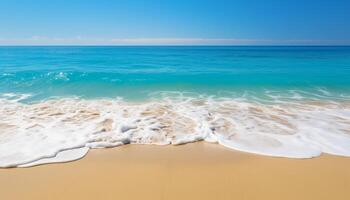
14 97
60 130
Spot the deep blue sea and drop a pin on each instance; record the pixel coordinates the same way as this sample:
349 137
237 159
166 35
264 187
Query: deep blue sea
139 72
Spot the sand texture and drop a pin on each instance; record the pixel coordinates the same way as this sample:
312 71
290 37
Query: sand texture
192 171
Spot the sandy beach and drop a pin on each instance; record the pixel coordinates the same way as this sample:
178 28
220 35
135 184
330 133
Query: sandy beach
192 171
174 100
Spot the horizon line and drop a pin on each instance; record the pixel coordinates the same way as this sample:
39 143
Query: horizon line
83 41
172 45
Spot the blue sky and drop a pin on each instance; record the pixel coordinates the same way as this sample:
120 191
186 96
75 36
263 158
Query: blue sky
174 22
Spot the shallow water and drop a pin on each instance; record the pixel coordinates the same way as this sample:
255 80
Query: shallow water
58 102
135 72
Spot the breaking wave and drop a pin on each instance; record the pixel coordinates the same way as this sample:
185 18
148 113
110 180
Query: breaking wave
64 129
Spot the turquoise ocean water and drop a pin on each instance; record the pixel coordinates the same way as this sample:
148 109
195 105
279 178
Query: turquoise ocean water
135 73
56 103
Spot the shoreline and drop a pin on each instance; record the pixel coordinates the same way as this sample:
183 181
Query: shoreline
192 171
62 127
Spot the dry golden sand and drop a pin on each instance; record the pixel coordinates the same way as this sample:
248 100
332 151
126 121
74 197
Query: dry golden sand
193 171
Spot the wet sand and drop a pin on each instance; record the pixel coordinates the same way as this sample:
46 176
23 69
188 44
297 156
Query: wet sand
192 171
